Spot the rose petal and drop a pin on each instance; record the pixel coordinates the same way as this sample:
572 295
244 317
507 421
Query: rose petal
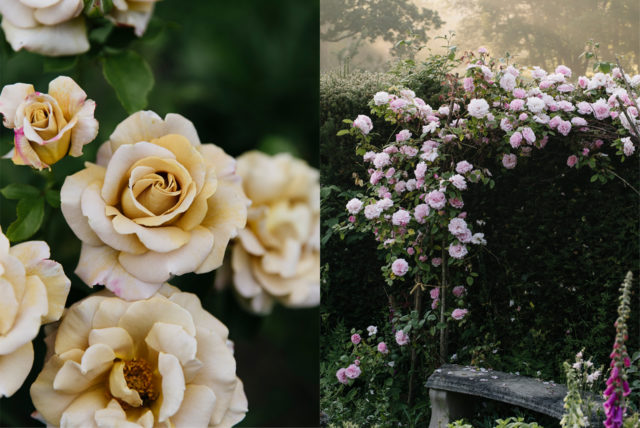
114 416
142 315
70 202
158 267
172 339
115 338
160 239
238 407
197 407
15 368
50 403
73 377
218 372
81 411
118 386
172 386
19 14
133 18
93 207
57 285
86 128
68 38
73 331
108 313
27 323
123 158
226 214
59 12
38 3
104 154
243 278
201 317
12 95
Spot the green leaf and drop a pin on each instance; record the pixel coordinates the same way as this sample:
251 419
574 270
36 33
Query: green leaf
594 177
342 132
53 198
130 75
30 215
58 64
19 191
470 280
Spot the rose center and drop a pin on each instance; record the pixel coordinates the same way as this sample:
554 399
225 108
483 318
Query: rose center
139 377
158 192
39 116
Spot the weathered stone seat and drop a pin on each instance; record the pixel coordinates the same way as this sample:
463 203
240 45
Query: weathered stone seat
452 388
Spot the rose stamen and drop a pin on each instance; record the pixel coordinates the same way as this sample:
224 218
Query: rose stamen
139 377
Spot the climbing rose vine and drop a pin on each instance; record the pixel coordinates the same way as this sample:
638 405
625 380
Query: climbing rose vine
494 117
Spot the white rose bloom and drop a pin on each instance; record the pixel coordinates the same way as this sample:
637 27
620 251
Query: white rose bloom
478 108
277 256
161 361
33 291
47 27
133 13
535 105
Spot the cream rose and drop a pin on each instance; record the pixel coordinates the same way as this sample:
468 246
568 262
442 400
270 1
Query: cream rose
157 204
48 126
277 257
164 360
133 13
47 27
33 291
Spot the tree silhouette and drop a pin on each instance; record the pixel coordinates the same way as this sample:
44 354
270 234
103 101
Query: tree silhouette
551 32
391 20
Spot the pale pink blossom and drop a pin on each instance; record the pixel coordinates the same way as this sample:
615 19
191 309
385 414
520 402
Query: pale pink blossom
436 261
389 173
564 127
402 338
583 82
457 226
376 176
628 147
528 134
355 338
400 187
382 348
458 291
369 156
515 139
397 105
600 109
456 203
400 267
554 122
458 251
505 125
458 314
385 203
578 121
572 160
434 293
363 123
409 151
516 104
535 105
421 212
482 50
354 206
372 211
381 98
467 84
478 239
584 107
458 181
421 170
566 106
508 82
353 371
463 167
523 116
342 376
436 199
478 108
403 135
401 218
519 93
509 160
465 237
381 160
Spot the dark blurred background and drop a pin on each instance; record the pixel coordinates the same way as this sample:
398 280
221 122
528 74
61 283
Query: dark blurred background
246 73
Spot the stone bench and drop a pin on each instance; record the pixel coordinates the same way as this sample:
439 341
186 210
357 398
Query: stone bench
452 389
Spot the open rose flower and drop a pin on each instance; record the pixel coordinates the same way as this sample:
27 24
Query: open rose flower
47 27
158 203
277 257
33 291
133 13
161 361
48 126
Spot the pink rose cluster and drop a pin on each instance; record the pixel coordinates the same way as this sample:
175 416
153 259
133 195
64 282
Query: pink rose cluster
402 338
363 123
